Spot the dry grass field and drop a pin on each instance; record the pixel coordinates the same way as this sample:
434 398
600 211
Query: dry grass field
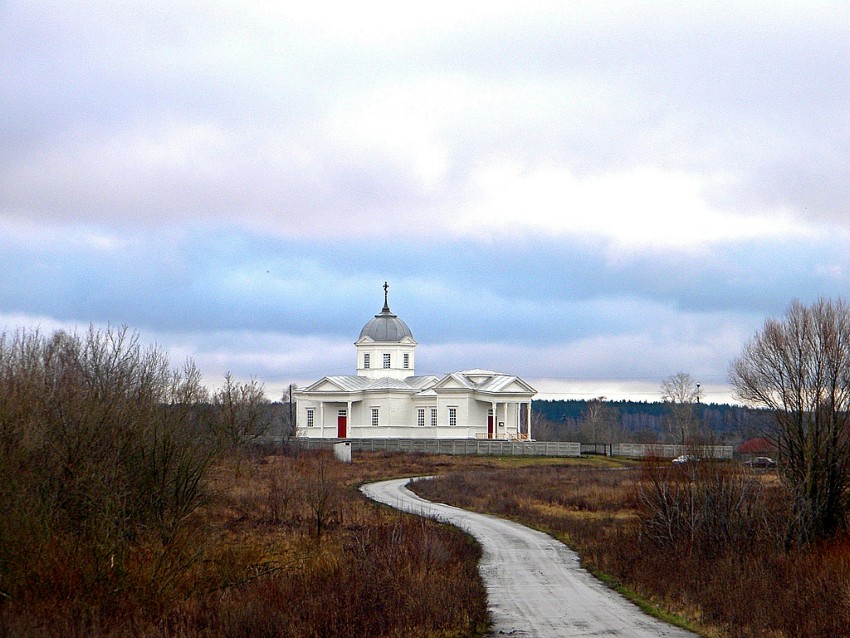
287 546
705 545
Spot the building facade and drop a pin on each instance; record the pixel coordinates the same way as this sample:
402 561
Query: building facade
385 399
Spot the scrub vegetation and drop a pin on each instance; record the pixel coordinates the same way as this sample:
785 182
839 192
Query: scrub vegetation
707 542
132 506
258 565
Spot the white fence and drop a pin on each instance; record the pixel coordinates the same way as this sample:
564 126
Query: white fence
668 451
494 447
487 447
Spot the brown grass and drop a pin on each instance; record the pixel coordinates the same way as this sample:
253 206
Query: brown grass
729 575
287 547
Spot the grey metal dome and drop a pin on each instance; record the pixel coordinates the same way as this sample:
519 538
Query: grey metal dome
386 326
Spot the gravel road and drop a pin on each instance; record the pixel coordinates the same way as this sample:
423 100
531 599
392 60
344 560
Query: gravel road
535 585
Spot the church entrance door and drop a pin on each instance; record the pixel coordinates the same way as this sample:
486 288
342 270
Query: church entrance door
341 424
490 425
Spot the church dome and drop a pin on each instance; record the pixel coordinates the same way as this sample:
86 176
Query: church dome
386 326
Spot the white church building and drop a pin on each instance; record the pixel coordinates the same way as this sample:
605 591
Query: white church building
385 399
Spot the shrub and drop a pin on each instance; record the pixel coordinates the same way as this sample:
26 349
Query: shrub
700 507
101 452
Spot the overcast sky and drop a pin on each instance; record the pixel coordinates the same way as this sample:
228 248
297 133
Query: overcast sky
591 195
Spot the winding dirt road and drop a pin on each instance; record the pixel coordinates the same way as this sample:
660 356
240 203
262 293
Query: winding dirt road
535 585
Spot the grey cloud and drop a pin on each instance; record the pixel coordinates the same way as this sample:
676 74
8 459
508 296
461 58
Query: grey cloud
592 92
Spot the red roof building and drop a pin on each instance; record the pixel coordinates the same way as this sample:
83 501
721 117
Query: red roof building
759 446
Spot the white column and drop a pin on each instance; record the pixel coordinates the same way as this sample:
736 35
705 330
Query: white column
495 409
322 417
528 416
517 417
348 419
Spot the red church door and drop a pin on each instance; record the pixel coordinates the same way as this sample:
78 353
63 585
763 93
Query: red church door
341 424
490 425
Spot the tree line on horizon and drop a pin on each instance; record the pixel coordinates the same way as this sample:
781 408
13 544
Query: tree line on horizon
625 421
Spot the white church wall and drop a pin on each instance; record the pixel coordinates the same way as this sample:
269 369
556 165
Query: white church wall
510 418
398 417
376 351
415 432
445 402
400 412
478 412
303 409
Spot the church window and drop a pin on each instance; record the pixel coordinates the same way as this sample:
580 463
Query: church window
406 360
420 417
434 417
309 417
366 362
375 420
452 416
386 360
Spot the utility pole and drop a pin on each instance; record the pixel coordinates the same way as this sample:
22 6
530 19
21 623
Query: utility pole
289 428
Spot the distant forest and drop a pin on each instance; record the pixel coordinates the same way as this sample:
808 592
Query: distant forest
640 421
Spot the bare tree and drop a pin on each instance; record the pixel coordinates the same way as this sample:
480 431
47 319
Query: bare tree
241 413
680 392
599 420
799 367
541 428
321 491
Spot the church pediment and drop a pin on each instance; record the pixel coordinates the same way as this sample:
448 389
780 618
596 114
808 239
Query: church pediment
520 386
452 382
324 385
338 384
504 384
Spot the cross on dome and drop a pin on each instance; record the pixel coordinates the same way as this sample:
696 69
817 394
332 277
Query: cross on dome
386 326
